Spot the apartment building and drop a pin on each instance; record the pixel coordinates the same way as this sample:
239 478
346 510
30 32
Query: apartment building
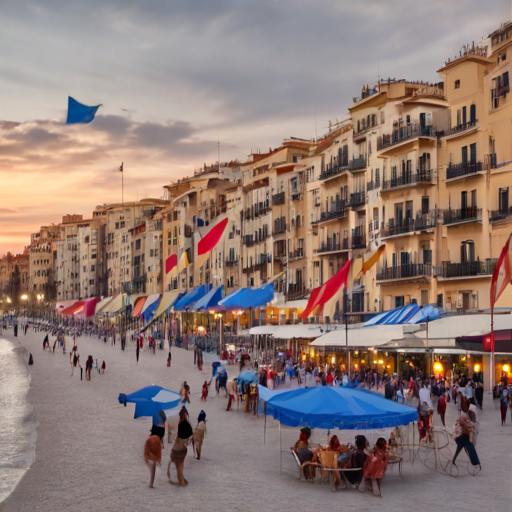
92 272
42 286
15 278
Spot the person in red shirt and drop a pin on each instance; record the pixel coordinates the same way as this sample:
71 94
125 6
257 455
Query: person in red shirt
441 407
329 379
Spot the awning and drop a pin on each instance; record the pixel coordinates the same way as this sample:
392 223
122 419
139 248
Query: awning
360 336
116 304
190 298
263 329
210 300
137 307
248 298
102 304
74 308
150 306
63 304
166 302
89 308
304 331
411 314
290 304
132 299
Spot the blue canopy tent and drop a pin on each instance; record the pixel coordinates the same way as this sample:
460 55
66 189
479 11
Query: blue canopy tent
210 300
190 298
149 401
330 407
248 298
411 314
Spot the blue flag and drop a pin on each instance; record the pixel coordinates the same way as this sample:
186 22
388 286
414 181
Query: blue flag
79 113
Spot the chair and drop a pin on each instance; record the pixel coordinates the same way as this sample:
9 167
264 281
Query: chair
301 466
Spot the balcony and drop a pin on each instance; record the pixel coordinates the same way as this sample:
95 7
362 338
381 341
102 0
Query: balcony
296 196
336 213
231 263
358 163
464 169
406 180
330 246
409 271
501 214
477 268
404 133
333 169
422 222
279 230
358 199
278 199
469 214
296 291
296 255
460 129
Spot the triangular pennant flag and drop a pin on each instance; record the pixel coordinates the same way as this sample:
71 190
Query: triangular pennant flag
212 237
183 263
502 273
79 113
368 264
171 262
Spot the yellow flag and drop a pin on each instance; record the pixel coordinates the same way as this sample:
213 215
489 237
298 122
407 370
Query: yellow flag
368 264
183 263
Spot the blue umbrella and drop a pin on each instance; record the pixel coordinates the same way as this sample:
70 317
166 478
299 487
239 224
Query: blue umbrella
330 407
248 376
149 401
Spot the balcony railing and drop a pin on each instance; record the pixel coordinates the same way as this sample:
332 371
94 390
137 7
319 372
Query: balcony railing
468 214
333 170
405 271
356 242
403 133
296 291
337 213
278 199
410 225
421 176
231 263
458 170
358 198
501 214
279 230
460 128
467 269
297 196
296 255
358 163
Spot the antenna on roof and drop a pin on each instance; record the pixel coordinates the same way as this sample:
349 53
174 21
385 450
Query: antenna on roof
378 72
316 133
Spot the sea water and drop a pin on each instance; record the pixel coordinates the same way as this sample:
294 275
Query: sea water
17 419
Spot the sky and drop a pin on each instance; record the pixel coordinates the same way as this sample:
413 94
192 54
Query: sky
174 77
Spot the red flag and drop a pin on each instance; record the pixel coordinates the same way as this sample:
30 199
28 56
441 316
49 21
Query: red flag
322 294
171 262
212 238
502 273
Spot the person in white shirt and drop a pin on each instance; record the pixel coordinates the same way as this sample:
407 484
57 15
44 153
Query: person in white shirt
425 395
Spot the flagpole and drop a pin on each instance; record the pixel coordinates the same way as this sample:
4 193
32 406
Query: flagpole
492 350
122 183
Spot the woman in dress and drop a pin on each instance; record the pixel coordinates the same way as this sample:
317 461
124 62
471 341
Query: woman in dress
377 465
199 433
179 449
185 393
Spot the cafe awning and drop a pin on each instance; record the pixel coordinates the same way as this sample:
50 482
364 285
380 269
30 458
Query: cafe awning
190 298
137 307
210 300
150 306
115 305
167 301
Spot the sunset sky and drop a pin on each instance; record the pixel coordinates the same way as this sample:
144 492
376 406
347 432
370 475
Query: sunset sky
173 77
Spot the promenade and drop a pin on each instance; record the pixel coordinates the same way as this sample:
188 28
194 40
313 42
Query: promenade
89 451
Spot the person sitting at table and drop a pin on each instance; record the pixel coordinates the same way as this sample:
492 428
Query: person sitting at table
334 443
358 461
305 454
377 465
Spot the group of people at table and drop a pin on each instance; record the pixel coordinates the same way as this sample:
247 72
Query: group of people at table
365 466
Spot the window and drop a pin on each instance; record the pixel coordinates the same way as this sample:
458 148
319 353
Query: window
472 114
424 297
457 84
473 198
464 115
377 178
467 251
399 301
503 200
472 153
425 205
137 244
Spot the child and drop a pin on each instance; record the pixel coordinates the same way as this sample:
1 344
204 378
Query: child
204 395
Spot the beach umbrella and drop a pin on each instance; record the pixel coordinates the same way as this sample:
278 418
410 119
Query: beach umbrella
149 401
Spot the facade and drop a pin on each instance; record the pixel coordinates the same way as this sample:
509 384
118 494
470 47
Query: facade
14 279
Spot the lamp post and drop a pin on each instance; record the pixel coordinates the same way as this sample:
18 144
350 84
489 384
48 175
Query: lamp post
429 354
345 309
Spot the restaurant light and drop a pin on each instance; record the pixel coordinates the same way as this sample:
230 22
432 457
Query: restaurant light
477 368
438 367
24 297
506 368
381 361
333 359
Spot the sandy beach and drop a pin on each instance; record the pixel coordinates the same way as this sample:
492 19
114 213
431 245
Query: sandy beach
89 449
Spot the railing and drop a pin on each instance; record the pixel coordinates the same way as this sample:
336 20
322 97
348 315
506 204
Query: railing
458 170
467 269
333 170
231 263
358 163
278 199
358 198
405 271
501 214
404 133
328 246
358 241
491 161
333 214
295 255
463 215
460 128
421 176
296 291
346 243
409 225
278 231
297 196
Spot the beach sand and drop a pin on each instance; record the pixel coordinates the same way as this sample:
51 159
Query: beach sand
89 449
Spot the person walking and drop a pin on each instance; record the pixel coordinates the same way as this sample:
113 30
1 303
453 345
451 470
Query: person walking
88 367
441 408
75 361
199 433
466 430
179 449
504 400
185 392
137 352
103 366
169 359
152 456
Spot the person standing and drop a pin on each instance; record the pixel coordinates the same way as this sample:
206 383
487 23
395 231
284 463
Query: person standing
88 368
441 407
179 449
152 456
479 394
137 352
199 433
504 400
185 392
15 329
169 359
75 361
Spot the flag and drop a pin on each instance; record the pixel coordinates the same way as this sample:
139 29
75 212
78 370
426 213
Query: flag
121 168
210 239
322 294
183 263
79 113
368 264
502 273
171 262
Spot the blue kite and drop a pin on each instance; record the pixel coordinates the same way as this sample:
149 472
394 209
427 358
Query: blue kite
80 113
